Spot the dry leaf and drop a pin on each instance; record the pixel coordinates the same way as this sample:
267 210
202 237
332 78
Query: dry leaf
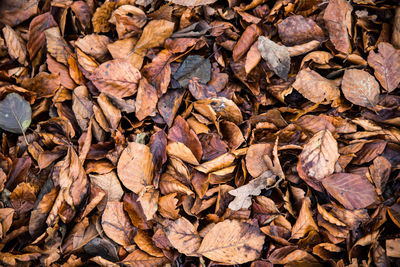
116 224
232 242
319 155
135 167
276 56
110 184
183 236
15 44
353 191
360 88
305 222
101 17
248 37
148 199
337 18
192 3
316 88
386 64
253 188
117 78
146 99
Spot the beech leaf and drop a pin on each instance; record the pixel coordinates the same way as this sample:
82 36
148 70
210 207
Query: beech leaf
15 114
276 56
193 66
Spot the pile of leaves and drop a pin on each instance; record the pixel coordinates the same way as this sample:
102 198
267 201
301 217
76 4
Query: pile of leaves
199 132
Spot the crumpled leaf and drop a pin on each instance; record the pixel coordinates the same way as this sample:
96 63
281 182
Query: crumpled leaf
253 188
192 3
15 113
360 88
14 12
276 56
193 66
386 64
319 155
15 44
232 242
305 222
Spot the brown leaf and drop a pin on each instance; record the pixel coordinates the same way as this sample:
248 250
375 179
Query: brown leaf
296 30
101 17
135 211
353 191
148 199
380 172
154 34
169 184
146 99
145 243
255 163
6 219
44 84
291 254
232 242
337 18
116 224
56 45
181 151
158 72
248 37
83 12
36 37
82 106
112 114
14 12
319 155
139 258
117 78
217 163
180 132
370 151
360 88
94 45
158 148
110 184
168 206
15 44
253 57
393 248
232 134
23 198
305 222
128 20
386 64
169 103
58 68
121 49
135 167
315 88
192 3
183 236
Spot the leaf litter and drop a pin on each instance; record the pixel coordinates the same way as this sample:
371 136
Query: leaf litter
201 133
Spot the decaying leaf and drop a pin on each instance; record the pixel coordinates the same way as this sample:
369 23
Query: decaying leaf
305 222
183 236
276 56
253 188
232 242
193 66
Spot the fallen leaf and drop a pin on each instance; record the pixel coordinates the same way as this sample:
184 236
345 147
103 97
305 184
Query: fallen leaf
94 45
305 222
117 78
253 57
36 37
392 247
139 258
101 17
193 66
148 199
14 12
57 46
296 30
6 219
255 163
232 242
353 191
319 155
158 72
110 184
386 65
249 36
276 56
253 188
192 3
116 224
15 44
337 18
146 99
15 114
316 88
183 236
145 243
360 88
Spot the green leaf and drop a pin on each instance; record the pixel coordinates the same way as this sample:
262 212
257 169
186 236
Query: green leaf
15 114
193 66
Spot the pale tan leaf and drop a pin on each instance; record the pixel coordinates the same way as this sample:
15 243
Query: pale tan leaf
110 184
148 199
232 242
135 167
183 236
15 45
56 45
360 88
